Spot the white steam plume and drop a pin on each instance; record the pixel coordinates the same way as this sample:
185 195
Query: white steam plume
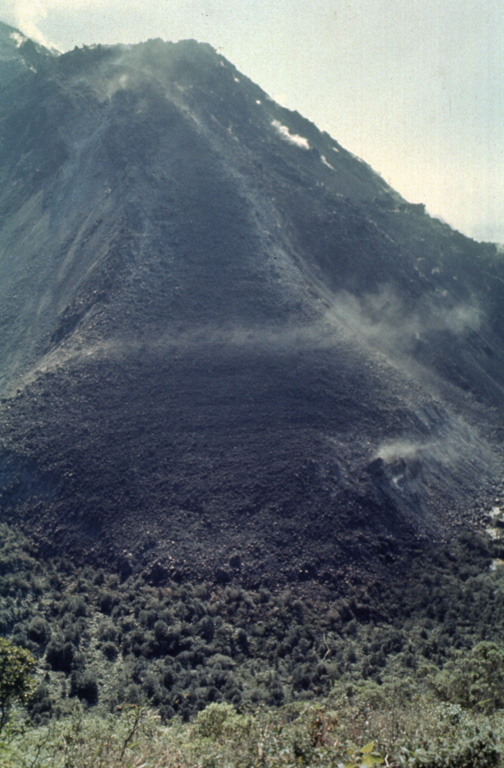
28 15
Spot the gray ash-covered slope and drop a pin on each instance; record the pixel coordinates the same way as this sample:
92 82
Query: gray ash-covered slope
227 346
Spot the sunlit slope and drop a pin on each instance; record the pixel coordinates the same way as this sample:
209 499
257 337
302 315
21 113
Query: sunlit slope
227 345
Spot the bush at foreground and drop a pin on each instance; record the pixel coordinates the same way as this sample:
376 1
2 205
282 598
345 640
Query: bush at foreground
16 666
349 728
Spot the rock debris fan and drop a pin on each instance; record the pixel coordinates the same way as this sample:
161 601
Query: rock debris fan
228 348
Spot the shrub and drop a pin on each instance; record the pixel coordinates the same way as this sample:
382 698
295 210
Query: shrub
16 682
38 630
85 687
109 650
107 600
60 655
40 704
211 721
476 679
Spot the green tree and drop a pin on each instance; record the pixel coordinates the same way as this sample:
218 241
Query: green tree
16 681
476 679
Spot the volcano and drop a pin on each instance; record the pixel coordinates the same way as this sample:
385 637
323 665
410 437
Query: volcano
228 348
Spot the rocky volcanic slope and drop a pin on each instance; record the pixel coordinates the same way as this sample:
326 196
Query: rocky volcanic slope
227 347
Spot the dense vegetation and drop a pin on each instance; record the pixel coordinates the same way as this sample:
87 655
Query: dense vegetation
211 673
371 728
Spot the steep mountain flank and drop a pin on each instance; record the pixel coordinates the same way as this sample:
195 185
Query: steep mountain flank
227 346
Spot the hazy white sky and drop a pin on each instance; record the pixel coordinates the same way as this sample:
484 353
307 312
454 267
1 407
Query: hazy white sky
414 87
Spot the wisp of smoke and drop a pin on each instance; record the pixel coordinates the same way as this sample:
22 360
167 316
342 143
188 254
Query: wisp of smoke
28 15
384 320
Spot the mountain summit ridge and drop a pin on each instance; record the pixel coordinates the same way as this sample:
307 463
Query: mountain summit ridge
227 346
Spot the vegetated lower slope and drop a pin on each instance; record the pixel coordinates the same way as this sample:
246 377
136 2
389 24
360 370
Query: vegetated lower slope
227 347
133 673
107 642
